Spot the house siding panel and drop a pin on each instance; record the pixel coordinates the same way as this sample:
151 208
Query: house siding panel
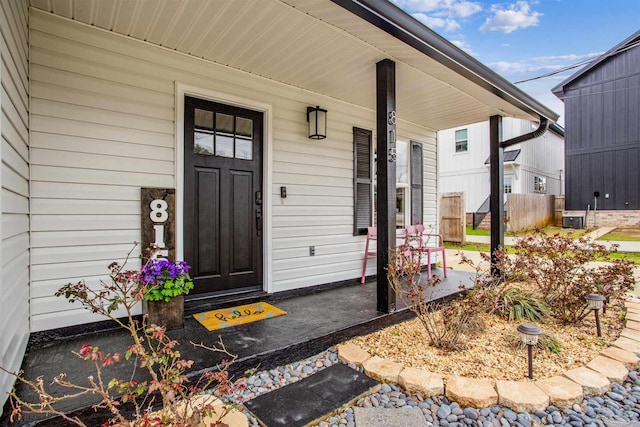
602 116
467 172
103 126
14 206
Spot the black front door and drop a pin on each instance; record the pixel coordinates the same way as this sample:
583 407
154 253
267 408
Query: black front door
223 196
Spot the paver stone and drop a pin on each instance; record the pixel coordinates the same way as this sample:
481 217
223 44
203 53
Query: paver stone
627 344
382 370
592 382
352 353
612 369
633 316
630 333
426 383
476 392
632 325
217 409
627 358
385 417
562 392
521 396
632 304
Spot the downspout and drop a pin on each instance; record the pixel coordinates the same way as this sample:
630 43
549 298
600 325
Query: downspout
497 172
542 128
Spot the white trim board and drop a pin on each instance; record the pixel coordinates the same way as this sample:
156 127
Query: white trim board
183 90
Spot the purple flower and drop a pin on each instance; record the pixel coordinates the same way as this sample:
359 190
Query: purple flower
159 270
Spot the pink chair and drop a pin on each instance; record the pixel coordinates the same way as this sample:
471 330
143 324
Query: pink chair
372 234
416 238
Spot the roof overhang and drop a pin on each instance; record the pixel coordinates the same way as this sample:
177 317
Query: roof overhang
328 47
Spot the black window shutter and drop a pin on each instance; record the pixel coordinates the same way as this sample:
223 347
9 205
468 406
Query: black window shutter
362 180
416 183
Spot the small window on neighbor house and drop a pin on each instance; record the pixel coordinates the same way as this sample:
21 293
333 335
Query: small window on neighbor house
539 184
461 141
508 185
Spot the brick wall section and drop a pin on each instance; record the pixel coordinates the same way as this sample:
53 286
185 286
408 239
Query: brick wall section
484 225
620 219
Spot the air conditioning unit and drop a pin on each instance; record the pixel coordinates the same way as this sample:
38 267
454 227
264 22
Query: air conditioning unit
572 222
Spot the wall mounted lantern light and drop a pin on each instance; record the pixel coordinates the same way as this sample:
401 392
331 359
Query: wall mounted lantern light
529 333
596 302
317 118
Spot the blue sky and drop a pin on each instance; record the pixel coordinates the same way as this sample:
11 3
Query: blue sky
525 39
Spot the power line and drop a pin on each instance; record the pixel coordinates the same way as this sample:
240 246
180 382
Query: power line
579 64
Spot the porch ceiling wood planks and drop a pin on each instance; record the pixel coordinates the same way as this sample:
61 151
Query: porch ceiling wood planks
316 45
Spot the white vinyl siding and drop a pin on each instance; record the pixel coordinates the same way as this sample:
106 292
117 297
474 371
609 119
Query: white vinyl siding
14 226
543 157
103 126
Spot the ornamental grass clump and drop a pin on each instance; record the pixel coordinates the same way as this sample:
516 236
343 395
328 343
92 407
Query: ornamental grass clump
165 279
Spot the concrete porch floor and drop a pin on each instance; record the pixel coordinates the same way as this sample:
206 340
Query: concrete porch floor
313 323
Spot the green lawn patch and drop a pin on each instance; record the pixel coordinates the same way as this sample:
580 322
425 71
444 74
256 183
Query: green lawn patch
631 256
485 247
563 232
478 247
477 232
623 235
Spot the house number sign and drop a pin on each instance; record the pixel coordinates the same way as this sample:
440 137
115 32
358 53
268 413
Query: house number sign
158 221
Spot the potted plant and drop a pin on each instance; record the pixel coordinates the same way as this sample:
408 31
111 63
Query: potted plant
166 282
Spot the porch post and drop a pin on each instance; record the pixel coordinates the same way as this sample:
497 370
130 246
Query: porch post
386 170
496 200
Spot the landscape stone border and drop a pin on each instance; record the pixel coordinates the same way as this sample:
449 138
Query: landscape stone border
612 365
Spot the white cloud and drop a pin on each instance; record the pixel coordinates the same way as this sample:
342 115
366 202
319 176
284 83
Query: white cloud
434 22
461 44
571 57
465 9
419 5
515 16
443 14
504 67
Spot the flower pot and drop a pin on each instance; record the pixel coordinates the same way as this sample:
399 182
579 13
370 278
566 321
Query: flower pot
168 314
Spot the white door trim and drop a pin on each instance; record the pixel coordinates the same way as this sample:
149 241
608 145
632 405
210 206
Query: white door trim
182 90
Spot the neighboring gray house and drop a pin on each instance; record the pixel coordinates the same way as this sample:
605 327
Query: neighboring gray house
602 143
212 100
534 167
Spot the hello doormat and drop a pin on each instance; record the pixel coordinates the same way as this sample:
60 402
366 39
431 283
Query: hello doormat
233 316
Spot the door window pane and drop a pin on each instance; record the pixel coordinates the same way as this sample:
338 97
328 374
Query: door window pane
224 135
203 135
244 149
244 138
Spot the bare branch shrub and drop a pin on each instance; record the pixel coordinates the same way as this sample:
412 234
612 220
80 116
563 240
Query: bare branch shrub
565 271
161 400
444 321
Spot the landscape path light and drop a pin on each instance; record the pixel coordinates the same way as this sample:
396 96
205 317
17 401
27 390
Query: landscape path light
596 301
529 333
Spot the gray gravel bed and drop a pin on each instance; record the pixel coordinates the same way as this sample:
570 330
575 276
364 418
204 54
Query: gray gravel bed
617 408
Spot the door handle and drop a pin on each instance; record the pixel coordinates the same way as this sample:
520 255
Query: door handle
258 220
258 198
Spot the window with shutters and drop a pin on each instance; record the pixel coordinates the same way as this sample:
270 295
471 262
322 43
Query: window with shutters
417 173
409 182
362 180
